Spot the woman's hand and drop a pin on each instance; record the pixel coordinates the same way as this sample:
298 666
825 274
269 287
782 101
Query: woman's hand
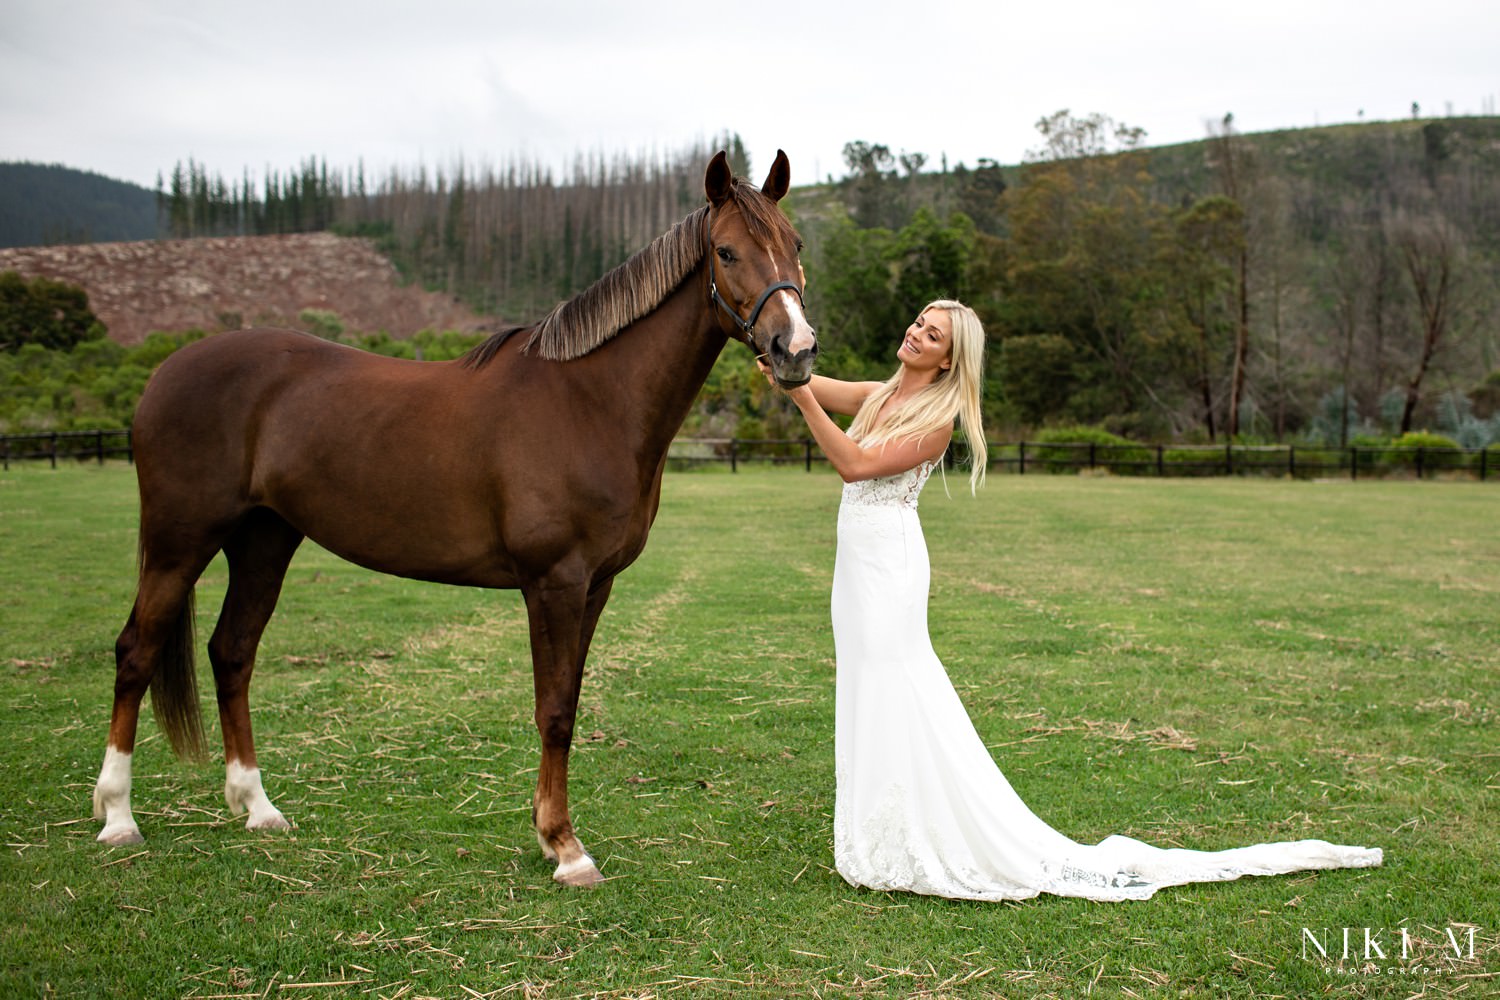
765 370
803 395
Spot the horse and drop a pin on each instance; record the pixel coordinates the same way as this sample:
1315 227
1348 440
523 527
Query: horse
534 463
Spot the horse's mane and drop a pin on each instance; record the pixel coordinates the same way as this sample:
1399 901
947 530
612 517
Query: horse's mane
636 287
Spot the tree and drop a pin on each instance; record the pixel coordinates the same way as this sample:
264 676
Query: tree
1208 244
1084 259
1430 251
870 173
868 282
1036 375
851 285
1065 137
48 313
979 192
1232 169
932 258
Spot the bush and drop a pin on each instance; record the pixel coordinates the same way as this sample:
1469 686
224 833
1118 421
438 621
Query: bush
1065 449
44 312
1434 450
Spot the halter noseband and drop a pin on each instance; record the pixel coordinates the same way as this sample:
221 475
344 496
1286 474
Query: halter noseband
746 326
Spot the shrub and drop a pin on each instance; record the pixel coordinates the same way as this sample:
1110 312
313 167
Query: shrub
44 312
323 323
1435 451
1065 449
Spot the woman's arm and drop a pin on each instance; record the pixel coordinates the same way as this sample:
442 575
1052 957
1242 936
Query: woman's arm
832 394
854 462
838 396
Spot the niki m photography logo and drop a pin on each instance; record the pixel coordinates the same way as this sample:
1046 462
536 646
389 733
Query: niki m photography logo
1419 950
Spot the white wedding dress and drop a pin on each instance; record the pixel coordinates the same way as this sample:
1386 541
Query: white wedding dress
921 806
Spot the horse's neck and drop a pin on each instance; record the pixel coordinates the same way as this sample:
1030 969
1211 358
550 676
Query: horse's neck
661 362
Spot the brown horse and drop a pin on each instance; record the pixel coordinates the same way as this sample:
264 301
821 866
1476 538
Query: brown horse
535 462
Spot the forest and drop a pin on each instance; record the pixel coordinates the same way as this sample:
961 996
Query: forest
1334 285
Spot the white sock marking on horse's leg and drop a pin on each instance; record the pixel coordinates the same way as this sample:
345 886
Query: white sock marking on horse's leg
581 863
243 791
112 800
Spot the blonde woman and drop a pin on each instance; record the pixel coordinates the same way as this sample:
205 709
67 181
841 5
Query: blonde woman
920 804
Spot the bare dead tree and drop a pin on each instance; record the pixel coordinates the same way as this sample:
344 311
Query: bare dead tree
1430 249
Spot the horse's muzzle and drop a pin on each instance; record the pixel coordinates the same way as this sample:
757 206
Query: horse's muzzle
792 370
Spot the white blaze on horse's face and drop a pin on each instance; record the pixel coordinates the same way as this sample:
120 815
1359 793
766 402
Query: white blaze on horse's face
802 338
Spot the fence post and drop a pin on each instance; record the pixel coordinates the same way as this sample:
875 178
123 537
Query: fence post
1291 460
734 457
99 445
1229 460
1420 456
807 453
54 449
1092 446
1161 465
1484 454
1021 461
1353 462
6 450
130 445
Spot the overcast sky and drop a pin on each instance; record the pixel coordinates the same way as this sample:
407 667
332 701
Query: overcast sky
127 88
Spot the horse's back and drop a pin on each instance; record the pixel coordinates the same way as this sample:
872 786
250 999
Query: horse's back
361 453
215 407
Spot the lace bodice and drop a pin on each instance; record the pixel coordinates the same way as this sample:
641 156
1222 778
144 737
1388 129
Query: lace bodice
901 490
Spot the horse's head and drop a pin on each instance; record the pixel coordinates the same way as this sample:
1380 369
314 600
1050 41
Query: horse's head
754 275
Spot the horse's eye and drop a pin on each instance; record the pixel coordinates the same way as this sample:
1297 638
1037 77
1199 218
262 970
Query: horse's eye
799 246
726 255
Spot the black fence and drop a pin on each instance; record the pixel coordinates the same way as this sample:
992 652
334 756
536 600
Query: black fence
1020 458
65 446
1023 457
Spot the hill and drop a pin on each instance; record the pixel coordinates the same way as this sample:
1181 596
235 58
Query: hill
227 282
48 204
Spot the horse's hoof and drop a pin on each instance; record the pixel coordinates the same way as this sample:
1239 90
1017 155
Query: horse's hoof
121 836
580 874
273 821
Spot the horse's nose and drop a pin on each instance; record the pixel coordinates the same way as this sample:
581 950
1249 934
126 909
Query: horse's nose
792 364
782 354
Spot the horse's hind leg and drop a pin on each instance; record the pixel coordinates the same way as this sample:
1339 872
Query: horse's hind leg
562 626
258 551
154 650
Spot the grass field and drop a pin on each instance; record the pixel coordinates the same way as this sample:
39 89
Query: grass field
1206 663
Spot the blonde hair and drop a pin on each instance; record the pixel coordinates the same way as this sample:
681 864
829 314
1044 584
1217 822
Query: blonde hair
954 393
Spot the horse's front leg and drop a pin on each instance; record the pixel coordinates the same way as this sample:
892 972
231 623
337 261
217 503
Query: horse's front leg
562 618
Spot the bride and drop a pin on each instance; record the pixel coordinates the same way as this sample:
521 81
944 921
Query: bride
920 804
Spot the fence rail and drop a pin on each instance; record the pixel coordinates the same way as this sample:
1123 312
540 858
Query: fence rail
1020 457
70 446
1023 457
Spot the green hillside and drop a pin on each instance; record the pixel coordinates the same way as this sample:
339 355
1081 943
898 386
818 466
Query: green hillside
50 204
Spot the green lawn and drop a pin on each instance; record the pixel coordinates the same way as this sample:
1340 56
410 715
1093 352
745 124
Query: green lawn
1197 663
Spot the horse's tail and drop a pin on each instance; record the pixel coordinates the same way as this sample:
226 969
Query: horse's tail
174 687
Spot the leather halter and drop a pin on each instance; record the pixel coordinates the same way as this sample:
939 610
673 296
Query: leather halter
746 326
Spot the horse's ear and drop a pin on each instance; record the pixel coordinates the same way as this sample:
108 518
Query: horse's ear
717 182
779 179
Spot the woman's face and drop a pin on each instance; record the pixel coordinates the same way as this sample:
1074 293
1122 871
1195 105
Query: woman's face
928 344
